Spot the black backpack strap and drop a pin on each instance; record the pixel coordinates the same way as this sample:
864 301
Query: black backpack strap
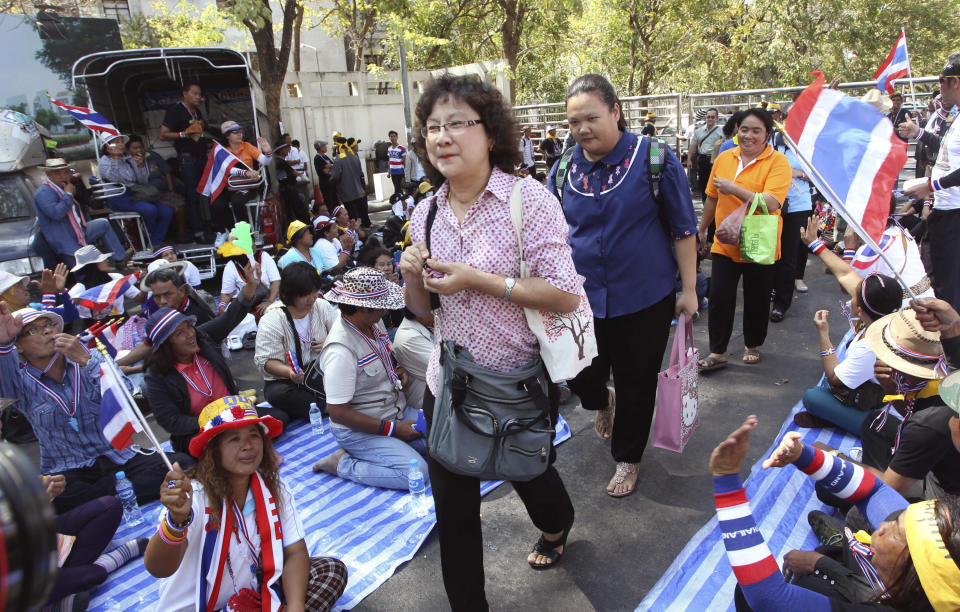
560 177
656 162
431 215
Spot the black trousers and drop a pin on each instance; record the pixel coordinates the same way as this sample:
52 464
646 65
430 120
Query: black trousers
457 501
359 209
724 278
145 472
291 398
704 166
397 182
793 258
632 346
231 207
943 229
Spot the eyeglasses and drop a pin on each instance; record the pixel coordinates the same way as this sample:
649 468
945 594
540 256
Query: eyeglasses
453 128
39 328
943 79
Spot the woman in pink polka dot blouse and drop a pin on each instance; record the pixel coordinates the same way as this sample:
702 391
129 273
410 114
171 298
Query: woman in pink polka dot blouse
467 139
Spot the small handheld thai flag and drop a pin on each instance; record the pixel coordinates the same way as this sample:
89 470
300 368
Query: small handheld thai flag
102 296
293 363
895 66
93 121
215 173
854 150
117 420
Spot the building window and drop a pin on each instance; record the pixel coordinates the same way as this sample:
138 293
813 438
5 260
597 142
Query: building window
116 9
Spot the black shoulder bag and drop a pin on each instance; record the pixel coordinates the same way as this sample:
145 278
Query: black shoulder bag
312 374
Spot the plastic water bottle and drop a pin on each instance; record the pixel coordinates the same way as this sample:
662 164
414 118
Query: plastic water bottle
316 419
417 488
131 511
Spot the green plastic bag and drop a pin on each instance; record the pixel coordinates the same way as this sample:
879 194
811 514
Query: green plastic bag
758 234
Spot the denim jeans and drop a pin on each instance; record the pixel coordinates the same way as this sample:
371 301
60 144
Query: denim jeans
100 229
379 461
156 216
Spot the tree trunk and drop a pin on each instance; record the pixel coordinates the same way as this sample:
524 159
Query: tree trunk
273 61
296 43
510 34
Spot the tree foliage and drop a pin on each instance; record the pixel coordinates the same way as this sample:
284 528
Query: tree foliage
656 46
184 25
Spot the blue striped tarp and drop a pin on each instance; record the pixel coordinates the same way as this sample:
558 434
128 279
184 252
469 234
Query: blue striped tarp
700 577
371 530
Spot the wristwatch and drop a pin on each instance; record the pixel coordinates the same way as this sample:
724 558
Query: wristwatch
509 282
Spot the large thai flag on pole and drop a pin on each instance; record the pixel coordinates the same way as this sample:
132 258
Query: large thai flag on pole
896 65
217 171
102 296
853 153
92 120
117 419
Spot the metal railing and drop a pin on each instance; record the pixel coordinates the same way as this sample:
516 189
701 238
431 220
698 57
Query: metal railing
673 112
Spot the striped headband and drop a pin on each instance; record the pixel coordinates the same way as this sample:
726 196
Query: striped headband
162 250
863 294
164 322
336 211
338 289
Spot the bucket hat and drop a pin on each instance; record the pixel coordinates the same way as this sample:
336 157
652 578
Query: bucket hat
367 288
87 255
226 413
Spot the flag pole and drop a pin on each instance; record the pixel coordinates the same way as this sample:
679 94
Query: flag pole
839 205
906 52
132 404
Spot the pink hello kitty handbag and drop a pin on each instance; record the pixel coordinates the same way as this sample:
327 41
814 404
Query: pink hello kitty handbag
677 412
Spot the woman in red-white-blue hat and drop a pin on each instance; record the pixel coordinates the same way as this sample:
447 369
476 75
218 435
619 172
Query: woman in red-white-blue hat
231 528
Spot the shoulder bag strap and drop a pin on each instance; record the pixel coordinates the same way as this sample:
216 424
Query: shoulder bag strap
516 216
431 216
296 336
560 177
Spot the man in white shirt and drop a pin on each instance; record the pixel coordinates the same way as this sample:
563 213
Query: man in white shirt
526 148
943 224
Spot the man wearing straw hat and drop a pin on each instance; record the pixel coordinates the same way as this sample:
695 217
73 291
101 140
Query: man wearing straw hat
57 383
61 218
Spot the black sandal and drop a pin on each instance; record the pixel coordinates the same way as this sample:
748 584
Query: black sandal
548 549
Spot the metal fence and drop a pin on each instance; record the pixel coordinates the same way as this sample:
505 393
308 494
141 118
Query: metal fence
672 113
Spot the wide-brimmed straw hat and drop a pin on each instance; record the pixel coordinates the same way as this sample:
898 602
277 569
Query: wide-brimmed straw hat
230 412
164 322
159 264
878 100
899 341
32 314
366 288
87 255
56 163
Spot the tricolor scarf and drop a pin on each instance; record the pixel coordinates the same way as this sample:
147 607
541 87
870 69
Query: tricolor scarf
216 544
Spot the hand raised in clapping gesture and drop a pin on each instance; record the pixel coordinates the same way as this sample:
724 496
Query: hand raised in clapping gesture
788 451
10 326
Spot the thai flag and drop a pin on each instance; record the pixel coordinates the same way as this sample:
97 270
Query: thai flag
98 298
92 120
895 66
117 419
216 172
853 147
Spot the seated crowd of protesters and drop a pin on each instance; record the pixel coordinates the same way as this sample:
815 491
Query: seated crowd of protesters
338 327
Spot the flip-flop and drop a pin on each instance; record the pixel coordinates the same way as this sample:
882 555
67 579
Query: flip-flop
711 363
751 353
624 468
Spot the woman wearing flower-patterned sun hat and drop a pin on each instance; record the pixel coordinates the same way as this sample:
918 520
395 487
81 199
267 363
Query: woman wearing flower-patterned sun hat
369 415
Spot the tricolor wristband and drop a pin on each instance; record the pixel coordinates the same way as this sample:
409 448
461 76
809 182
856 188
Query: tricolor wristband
387 428
934 184
816 246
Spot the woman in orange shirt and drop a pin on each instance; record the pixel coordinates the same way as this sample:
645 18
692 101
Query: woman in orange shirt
248 154
738 174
